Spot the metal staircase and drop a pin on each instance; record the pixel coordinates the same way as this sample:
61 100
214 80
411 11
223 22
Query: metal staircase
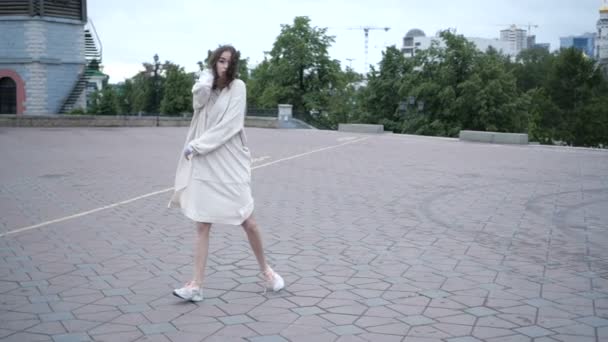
93 52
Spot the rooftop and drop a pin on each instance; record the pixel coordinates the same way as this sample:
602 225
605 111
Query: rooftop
377 236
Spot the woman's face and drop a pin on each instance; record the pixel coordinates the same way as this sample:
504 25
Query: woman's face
223 63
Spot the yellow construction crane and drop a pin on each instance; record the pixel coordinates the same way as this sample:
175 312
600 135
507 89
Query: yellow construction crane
366 30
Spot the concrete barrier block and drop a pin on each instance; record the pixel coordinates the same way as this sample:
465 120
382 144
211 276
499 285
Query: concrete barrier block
494 137
261 122
361 128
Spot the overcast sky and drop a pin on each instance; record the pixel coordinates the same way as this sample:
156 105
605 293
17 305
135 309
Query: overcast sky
182 31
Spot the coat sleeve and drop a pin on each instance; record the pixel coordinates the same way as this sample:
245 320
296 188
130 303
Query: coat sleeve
229 125
201 91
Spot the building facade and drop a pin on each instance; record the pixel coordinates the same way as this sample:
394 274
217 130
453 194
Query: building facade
601 41
585 43
43 59
415 40
517 38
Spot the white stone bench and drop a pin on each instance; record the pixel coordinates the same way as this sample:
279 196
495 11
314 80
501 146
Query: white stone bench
494 137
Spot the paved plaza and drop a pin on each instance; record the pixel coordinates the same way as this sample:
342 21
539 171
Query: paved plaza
379 238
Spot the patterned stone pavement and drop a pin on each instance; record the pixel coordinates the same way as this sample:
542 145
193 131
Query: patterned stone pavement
379 238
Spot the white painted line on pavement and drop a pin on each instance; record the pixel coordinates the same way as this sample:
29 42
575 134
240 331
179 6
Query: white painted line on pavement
346 138
259 159
19 230
83 213
309 152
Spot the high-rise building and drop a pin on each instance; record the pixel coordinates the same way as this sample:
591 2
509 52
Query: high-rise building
601 41
415 40
584 43
545 46
517 38
412 42
532 44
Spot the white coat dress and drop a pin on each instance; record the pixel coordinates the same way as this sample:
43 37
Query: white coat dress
214 186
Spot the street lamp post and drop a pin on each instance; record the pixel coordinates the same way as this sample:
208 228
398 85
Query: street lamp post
409 106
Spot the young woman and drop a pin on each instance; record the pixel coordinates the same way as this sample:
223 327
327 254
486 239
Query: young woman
212 182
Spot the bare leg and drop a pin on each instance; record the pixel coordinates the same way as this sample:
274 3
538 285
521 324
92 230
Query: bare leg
255 240
201 252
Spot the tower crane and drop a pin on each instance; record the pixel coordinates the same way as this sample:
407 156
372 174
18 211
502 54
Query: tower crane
529 25
366 30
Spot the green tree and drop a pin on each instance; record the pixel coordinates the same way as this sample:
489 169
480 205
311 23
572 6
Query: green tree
454 86
108 104
93 102
577 87
299 70
381 96
126 97
344 105
177 98
489 99
532 67
148 88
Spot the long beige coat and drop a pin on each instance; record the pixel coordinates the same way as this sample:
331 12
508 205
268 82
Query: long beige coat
214 185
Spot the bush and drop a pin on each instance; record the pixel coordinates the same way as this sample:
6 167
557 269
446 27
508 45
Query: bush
77 111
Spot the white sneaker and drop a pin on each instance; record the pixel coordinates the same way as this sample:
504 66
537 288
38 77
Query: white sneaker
272 280
189 292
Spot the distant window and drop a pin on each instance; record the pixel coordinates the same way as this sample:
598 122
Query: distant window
8 96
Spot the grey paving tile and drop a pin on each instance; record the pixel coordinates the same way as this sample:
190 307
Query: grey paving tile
464 339
346 330
397 329
38 308
34 283
71 338
594 321
159 328
539 302
50 328
371 254
23 336
134 308
593 294
417 320
56 316
237 319
375 302
534 331
481 311
435 293
491 287
305 311
44 299
117 292
271 338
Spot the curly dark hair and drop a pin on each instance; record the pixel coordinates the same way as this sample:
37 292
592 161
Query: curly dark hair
233 68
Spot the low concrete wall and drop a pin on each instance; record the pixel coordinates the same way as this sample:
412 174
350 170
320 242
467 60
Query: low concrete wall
261 122
114 121
361 128
90 121
494 137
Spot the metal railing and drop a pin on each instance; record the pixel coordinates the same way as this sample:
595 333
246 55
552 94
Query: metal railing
266 112
96 49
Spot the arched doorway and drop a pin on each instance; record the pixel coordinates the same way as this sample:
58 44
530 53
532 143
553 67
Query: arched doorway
8 96
12 92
